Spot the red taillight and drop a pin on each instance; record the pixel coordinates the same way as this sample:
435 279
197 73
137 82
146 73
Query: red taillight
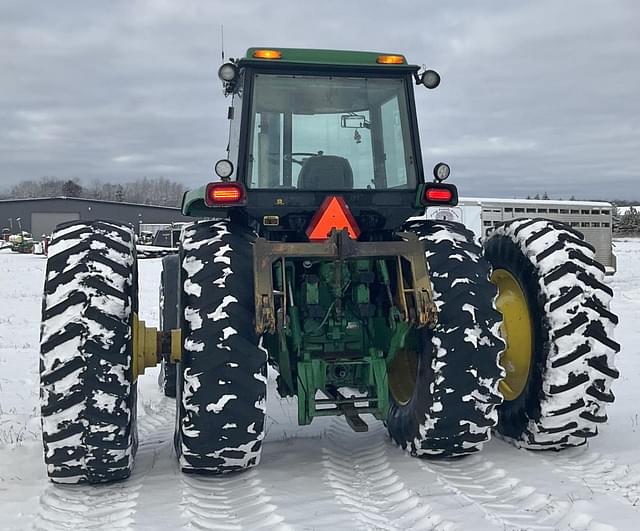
220 194
438 195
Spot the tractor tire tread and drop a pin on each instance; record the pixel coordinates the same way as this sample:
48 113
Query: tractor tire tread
574 377
87 390
464 376
222 379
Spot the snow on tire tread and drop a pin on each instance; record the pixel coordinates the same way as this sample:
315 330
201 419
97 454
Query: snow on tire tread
87 395
466 345
224 366
580 365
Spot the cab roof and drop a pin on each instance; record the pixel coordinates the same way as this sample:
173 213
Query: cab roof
306 56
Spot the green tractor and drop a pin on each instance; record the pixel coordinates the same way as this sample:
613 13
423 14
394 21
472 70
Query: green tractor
21 242
313 255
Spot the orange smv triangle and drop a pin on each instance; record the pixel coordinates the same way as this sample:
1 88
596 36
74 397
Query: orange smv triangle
332 214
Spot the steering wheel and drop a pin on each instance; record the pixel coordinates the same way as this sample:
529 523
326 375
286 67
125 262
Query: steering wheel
290 156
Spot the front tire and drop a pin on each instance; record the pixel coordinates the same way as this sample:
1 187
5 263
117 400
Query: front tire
564 386
451 407
87 387
223 374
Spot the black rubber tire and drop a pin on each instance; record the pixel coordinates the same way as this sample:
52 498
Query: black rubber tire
87 390
572 368
223 373
453 407
168 314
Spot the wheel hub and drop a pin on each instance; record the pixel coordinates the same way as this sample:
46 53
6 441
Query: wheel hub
516 330
149 346
403 372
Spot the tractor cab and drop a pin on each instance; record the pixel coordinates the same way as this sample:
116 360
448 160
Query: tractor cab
306 124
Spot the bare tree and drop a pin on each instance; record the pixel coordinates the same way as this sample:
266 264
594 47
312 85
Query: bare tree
150 191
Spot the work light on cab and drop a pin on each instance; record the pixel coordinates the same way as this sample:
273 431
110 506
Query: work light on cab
441 171
224 168
224 194
430 79
228 72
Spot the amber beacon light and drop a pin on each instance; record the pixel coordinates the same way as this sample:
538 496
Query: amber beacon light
267 54
390 59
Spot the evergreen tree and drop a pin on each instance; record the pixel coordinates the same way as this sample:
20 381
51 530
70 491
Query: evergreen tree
119 194
71 188
630 222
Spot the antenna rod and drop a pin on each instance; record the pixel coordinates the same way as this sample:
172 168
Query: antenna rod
222 40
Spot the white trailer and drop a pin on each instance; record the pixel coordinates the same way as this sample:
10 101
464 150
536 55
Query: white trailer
591 218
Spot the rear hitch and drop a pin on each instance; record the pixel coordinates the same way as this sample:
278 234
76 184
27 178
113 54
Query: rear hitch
354 420
414 292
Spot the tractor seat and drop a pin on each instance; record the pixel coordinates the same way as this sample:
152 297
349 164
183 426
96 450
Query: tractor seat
325 172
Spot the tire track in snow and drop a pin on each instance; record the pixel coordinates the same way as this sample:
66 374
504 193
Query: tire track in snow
79 507
358 471
503 498
234 501
599 473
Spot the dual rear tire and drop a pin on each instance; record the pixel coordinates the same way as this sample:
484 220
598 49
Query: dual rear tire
169 315
560 349
557 385
87 387
449 407
558 353
222 380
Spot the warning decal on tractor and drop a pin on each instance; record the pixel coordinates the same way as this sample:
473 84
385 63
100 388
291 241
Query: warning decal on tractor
332 214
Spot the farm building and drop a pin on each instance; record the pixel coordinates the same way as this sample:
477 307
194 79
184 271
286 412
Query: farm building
40 216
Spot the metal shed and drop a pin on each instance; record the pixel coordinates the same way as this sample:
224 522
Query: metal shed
40 216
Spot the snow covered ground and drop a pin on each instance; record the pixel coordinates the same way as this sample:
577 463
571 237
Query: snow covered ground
322 476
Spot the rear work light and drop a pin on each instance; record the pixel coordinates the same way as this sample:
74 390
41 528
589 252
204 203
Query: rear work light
440 194
224 194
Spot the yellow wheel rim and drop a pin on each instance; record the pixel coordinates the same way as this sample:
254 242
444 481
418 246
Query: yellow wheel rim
517 331
403 372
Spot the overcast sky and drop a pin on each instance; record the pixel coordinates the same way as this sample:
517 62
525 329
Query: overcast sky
536 96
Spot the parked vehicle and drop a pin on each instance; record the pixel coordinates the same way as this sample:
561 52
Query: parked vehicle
302 257
593 219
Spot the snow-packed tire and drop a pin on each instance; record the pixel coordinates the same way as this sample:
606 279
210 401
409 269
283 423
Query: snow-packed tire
572 362
87 388
451 410
168 313
223 373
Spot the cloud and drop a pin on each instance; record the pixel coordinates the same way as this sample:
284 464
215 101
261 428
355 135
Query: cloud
535 95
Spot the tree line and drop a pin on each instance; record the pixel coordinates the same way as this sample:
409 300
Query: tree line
147 191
